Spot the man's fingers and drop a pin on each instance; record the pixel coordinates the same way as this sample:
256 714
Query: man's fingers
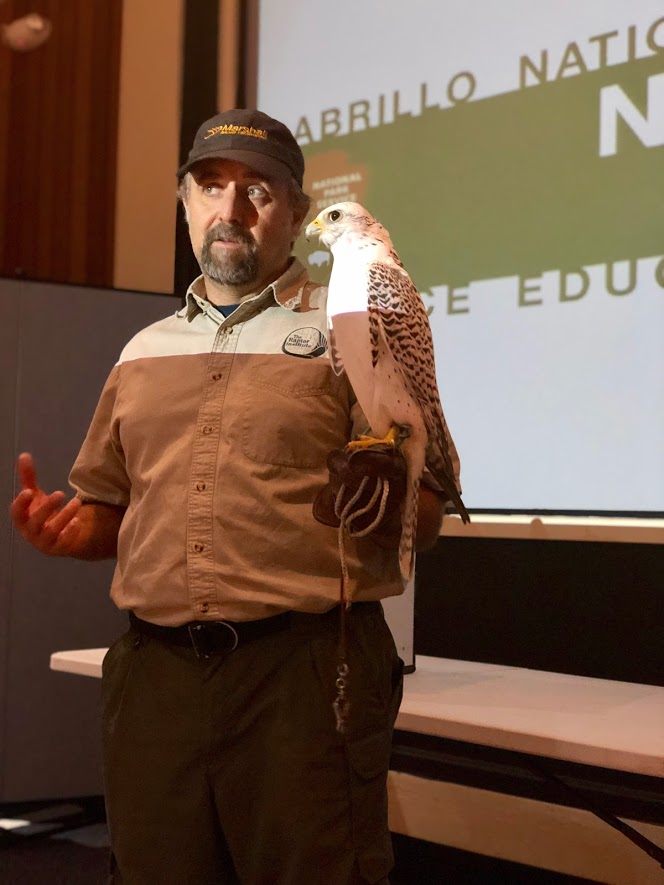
46 508
20 507
68 534
40 518
27 474
61 520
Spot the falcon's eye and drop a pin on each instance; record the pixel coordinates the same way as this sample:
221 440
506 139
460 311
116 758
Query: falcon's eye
335 215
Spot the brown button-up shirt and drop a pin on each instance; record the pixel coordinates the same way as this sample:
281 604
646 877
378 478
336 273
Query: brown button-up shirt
214 434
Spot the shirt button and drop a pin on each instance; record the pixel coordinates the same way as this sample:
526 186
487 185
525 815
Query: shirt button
200 486
203 607
207 429
198 547
217 376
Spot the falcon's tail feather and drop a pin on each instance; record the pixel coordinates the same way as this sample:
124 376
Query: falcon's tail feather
441 458
409 531
438 469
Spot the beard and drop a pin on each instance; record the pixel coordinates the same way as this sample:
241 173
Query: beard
230 269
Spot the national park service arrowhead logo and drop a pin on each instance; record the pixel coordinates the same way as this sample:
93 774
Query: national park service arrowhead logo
331 177
307 343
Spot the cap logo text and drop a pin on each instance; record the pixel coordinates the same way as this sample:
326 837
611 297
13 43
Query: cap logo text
230 129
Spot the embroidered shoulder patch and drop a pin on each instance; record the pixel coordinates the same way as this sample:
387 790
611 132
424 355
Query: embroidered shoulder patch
307 343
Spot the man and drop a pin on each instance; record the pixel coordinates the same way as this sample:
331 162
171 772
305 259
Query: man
200 468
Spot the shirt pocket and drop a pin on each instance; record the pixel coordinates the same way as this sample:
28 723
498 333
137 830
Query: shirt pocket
293 413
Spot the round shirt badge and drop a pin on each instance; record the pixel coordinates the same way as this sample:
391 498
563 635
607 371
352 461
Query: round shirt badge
306 343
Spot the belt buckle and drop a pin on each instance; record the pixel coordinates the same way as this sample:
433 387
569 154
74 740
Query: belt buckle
204 638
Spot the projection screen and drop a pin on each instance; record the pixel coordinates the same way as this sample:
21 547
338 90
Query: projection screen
515 152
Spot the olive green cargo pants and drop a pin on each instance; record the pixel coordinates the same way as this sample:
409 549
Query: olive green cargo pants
230 770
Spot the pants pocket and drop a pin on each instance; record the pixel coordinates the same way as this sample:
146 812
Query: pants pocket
114 877
116 670
368 763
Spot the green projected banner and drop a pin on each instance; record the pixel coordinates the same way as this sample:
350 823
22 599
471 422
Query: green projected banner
517 158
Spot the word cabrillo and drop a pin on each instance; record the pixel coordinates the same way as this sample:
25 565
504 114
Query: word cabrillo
578 57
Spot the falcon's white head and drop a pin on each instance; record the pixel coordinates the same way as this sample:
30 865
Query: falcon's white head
346 218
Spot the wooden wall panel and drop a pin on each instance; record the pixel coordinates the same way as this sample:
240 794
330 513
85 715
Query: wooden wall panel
58 144
148 145
229 54
5 71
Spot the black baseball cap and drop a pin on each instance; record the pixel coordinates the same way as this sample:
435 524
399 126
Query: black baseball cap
249 137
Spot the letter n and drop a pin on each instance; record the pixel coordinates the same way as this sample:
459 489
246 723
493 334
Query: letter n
648 128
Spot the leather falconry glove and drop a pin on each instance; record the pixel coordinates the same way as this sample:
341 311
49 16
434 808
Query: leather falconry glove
376 478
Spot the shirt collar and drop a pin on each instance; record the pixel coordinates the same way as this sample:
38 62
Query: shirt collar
286 291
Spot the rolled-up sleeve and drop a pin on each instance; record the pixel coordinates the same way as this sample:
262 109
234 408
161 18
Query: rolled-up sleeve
99 474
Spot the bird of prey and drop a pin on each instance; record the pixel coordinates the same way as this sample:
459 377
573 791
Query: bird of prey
380 336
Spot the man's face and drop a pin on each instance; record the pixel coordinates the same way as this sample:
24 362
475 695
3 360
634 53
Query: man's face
240 224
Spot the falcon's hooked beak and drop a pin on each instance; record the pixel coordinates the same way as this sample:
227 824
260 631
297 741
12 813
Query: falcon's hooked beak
315 229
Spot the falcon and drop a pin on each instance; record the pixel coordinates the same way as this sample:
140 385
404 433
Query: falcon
379 335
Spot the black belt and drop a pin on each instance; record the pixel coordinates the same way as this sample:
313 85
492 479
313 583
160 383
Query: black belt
208 638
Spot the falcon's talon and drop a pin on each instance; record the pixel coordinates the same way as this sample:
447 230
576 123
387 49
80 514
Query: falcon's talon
368 442
363 442
394 437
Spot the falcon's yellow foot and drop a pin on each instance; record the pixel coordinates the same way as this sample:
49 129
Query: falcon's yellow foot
394 437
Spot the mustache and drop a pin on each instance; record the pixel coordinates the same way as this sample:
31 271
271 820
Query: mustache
228 233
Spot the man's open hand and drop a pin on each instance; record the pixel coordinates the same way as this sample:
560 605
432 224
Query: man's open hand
41 518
